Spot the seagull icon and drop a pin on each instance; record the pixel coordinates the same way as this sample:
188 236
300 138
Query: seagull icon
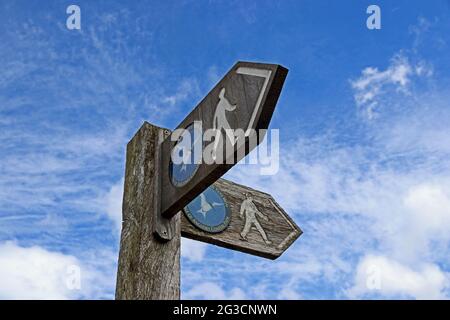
206 206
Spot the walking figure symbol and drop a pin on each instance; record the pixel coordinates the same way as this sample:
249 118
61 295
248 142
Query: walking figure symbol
251 212
220 121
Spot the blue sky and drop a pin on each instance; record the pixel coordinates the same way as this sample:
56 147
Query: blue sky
364 132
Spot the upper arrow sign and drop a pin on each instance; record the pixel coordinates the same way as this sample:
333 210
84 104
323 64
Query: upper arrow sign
202 148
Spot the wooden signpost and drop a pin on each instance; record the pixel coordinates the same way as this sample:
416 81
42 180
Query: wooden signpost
164 199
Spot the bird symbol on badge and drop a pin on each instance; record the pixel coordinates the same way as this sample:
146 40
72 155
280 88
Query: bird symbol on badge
209 211
205 206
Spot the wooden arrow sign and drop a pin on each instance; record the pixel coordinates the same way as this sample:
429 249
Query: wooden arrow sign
239 218
244 99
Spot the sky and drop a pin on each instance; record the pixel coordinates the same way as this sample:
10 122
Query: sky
364 141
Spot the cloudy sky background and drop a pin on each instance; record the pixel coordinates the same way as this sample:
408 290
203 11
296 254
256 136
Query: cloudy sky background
364 127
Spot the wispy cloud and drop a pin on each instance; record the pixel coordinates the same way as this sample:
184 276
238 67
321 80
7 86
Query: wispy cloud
67 112
185 89
373 84
68 107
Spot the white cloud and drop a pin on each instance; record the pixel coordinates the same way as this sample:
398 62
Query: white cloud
212 76
212 291
112 203
289 294
430 208
424 221
373 83
193 250
378 275
36 273
186 89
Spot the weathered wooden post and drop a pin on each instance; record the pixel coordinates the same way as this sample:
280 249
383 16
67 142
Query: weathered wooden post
149 267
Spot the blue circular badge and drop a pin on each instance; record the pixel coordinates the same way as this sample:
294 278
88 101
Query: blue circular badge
186 156
209 211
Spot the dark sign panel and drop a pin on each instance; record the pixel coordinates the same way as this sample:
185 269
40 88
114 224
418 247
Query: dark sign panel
218 132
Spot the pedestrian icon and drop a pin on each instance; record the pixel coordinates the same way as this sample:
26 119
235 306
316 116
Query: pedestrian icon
220 122
251 212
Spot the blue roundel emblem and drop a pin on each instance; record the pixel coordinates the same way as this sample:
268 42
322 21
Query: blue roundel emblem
209 211
186 156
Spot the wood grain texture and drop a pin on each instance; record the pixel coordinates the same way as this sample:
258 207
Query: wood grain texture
148 268
280 229
242 90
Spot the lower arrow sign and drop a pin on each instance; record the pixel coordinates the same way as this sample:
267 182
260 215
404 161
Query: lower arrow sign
239 218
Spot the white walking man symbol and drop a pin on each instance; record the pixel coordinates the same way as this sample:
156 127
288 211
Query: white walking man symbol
220 121
251 218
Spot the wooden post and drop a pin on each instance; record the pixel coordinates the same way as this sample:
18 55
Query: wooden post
148 268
